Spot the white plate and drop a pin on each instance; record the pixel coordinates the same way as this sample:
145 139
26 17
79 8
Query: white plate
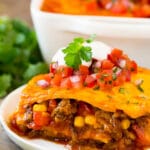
7 108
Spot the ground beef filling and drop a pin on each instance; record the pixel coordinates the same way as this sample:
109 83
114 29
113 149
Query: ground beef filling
82 126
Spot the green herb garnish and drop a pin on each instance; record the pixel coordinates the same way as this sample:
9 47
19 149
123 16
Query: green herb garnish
122 90
139 85
114 76
76 52
96 87
140 88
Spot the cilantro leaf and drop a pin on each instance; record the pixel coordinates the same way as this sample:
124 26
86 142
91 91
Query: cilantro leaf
73 60
86 53
5 82
76 51
34 69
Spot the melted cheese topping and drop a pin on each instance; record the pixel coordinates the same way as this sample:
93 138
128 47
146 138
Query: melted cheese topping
132 100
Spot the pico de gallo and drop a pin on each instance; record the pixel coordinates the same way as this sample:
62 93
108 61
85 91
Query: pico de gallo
101 74
124 8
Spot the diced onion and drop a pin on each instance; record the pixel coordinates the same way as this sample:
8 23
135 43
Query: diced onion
122 63
139 82
43 83
75 78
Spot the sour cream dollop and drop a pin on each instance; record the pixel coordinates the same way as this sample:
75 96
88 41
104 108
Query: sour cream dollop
100 51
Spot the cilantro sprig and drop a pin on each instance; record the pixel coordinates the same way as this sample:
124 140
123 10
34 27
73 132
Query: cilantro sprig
77 51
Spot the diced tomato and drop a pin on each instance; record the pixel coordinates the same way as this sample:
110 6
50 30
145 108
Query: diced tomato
56 80
116 52
65 71
115 55
91 6
76 81
143 136
121 78
48 77
128 75
53 67
107 64
105 79
52 105
132 66
84 70
90 81
146 10
118 7
41 118
84 109
66 83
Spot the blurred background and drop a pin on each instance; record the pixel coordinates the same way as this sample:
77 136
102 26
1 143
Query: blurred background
16 8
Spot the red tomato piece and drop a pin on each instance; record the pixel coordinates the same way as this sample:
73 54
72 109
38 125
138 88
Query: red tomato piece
53 67
76 81
107 64
48 77
143 136
105 79
91 6
90 81
84 109
66 83
118 7
116 52
121 78
133 66
115 55
84 70
65 71
41 118
52 105
128 75
56 80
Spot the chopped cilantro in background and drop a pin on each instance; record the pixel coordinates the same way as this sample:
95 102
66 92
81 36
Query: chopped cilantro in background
20 57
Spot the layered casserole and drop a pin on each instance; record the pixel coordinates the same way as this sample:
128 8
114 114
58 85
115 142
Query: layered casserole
124 8
103 106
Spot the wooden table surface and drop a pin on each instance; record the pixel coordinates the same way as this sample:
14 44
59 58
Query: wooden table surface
14 9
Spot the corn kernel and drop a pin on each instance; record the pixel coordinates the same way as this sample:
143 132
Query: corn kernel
131 136
90 119
79 121
125 124
39 107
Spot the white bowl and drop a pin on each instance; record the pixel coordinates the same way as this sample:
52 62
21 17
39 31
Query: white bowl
56 30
